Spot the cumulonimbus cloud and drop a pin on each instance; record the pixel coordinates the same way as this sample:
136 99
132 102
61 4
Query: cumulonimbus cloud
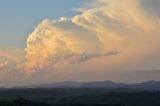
54 42
105 29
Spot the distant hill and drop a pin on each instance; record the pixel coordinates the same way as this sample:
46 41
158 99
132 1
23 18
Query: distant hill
150 85
65 84
22 102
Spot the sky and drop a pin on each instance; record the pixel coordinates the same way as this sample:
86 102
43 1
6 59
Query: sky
18 17
79 40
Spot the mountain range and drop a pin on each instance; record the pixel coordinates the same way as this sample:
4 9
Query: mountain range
149 85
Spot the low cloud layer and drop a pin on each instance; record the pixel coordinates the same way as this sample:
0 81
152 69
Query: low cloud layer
111 35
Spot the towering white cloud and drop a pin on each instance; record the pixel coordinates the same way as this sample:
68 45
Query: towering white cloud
64 42
109 27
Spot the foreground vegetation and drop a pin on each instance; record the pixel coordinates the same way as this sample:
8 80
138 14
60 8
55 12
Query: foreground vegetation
78 97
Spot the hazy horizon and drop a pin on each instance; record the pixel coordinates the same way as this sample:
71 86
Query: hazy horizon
79 40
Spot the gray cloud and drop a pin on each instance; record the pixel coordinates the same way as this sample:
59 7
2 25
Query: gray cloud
152 6
86 56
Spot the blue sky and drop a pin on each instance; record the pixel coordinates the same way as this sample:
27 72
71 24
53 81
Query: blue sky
18 17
